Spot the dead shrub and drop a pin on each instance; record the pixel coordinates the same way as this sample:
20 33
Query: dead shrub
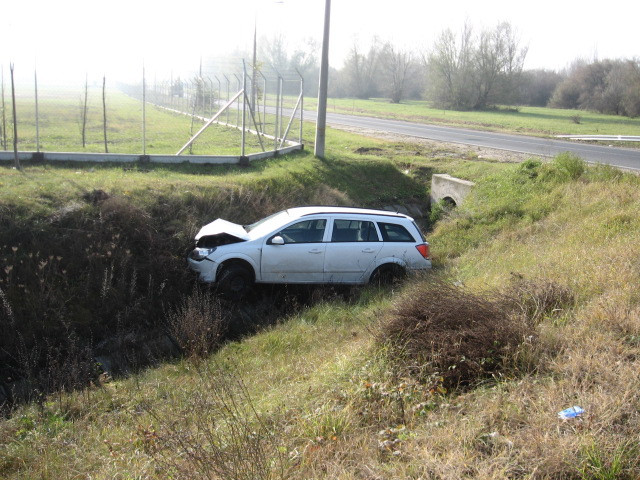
536 299
439 329
198 324
216 434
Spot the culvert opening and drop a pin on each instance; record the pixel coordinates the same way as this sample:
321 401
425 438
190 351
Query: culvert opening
449 202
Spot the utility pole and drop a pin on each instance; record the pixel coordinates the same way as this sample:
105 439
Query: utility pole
322 90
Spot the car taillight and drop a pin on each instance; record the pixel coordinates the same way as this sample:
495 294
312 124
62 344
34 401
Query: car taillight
423 248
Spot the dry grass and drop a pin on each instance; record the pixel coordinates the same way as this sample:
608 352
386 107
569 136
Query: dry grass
563 264
441 330
198 324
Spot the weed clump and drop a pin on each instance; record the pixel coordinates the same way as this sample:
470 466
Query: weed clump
198 324
439 329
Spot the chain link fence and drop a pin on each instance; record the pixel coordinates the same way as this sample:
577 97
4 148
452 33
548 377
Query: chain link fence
245 111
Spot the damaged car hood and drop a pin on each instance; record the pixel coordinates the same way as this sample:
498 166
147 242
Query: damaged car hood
222 226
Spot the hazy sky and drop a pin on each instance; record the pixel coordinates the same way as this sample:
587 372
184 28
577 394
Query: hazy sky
114 36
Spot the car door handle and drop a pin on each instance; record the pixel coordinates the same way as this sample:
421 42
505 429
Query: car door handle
368 250
315 250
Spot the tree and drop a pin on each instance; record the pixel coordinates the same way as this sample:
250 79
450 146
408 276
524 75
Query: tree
305 62
498 64
605 86
274 52
469 72
398 66
360 71
537 86
449 67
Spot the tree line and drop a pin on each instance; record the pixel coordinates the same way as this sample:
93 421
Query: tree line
469 70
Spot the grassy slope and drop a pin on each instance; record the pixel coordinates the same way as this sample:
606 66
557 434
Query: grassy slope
322 386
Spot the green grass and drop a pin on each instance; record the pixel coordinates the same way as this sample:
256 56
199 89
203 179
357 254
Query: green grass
60 127
316 379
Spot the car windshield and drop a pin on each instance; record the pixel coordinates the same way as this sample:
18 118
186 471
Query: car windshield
257 228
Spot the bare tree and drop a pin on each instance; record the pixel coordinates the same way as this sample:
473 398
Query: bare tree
397 66
274 52
606 86
449 67
361 70
498 63
471 73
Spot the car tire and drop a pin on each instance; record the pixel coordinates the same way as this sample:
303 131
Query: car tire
387 274
235 281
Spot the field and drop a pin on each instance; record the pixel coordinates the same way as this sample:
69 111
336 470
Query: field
60 126
324 383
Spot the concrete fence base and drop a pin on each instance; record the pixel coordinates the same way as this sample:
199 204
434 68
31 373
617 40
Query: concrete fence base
132 157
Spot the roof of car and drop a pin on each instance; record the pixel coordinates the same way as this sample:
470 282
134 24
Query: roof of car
313 210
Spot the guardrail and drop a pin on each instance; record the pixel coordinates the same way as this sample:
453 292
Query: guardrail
603 138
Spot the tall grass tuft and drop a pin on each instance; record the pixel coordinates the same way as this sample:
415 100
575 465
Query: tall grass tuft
217 434
198 324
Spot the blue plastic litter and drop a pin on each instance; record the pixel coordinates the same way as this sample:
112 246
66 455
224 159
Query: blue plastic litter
571 412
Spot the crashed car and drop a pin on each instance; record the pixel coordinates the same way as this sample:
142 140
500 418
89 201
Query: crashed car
309 245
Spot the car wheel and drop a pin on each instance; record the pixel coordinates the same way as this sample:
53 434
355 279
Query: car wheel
235 281
387 274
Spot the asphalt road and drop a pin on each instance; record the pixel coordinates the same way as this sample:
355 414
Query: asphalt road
619 157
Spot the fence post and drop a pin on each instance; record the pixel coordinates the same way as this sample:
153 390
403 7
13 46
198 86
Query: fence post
280 85
301 105
4 116
144 112
35 82
264 101
104 112
275 128
238 101
218 97
84 111
228 82
16 160
244 105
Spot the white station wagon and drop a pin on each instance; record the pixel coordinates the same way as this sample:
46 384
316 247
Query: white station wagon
312 245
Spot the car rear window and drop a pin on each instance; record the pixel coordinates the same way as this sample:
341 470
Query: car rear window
392 232
354 231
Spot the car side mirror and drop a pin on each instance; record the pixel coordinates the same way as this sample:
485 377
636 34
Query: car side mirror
277 240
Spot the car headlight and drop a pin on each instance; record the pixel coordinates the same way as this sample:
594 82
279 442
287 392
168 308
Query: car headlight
201 253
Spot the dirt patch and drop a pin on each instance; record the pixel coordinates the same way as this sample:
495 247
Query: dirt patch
368 150
457 149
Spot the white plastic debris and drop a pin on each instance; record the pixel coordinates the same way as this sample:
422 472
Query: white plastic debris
571 412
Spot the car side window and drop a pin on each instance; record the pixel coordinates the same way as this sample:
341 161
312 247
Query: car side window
307 231
392 232
353 231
